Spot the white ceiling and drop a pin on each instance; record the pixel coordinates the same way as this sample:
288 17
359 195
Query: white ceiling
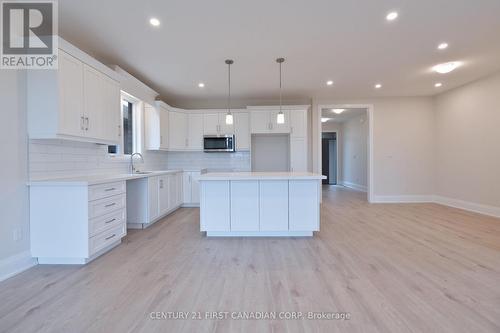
347 41
349 113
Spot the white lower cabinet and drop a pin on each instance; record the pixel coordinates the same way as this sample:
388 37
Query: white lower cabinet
191 188
74 223
215 204
303 198
273 204
151 198
244 205
259 207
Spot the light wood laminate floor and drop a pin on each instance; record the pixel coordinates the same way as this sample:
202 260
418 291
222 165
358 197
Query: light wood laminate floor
394 268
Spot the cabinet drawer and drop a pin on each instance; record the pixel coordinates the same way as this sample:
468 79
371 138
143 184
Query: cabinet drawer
106 190
99 224
106 238
107 205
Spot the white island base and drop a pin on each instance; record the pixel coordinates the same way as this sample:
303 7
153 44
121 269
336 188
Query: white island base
260 204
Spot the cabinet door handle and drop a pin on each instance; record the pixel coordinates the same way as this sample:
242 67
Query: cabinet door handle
110 189
110 205
82 123
291 130
108 238
87 122
161 139
119 130
112 220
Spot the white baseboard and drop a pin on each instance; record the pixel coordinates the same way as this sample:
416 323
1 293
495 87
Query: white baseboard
354 186
16 264
455 203
470 206
402 198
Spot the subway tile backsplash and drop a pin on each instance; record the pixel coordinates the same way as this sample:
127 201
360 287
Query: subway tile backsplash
239 161
60 158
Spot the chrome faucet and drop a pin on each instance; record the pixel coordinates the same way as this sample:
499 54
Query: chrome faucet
132 167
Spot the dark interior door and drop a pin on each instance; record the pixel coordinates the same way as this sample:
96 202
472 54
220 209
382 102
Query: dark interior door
329 157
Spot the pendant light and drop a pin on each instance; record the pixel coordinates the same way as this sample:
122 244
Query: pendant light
229 115
280 119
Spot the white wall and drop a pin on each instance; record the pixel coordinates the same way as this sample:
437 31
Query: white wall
14 205
468 142
354 151
403 144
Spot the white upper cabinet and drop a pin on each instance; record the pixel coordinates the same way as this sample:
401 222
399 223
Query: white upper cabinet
259 122
156 126
280 128
242 131
195 131
101 105
267 122
298 123
210 123
71 96
79 101
225 129
174 129
178 130
215 124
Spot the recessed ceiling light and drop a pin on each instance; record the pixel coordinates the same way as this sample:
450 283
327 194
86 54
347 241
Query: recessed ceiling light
442 46
329 83
201 85
438 85
324 120
378 86
154 22
338 111
392 16
447 67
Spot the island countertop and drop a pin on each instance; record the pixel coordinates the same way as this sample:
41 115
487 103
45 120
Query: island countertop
260 176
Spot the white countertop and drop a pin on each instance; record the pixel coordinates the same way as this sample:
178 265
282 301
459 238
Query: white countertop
260 176
97 179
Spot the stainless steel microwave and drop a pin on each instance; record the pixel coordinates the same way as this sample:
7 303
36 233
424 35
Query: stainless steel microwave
214 144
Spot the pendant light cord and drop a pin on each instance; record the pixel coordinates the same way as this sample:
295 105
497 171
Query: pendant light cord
280 89
229 89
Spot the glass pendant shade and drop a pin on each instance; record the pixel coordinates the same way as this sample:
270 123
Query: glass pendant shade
229 119
280 118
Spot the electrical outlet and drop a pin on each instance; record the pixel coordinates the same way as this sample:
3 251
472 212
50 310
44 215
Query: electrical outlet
17 234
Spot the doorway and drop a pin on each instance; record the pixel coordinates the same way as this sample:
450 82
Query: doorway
352 126
329 161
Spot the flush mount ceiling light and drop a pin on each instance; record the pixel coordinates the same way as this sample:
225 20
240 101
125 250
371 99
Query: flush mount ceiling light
438 85
392 16
338 111
154 22
280 118
201 85
229 115
329 83
446 67
378 86
324 120
442 46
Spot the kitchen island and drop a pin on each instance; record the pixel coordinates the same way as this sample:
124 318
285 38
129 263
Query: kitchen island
260 204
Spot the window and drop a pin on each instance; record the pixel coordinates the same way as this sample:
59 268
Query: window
130 126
